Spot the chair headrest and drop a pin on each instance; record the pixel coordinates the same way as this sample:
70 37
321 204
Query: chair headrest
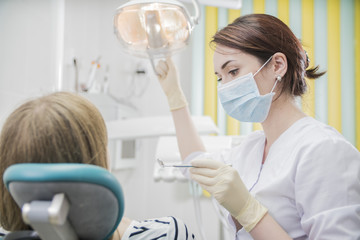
95 195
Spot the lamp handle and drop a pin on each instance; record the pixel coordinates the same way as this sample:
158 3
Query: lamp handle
153 65
196 17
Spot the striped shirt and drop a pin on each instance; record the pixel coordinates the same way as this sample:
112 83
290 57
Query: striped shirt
165 228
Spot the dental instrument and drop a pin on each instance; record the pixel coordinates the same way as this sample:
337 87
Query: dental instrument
162 164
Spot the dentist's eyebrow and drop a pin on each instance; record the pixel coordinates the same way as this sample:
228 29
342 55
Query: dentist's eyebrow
224 65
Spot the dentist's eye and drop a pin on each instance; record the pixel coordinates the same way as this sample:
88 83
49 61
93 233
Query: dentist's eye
219 79
234 72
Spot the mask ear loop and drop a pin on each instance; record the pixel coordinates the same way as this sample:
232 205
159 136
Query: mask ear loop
278 79
263 65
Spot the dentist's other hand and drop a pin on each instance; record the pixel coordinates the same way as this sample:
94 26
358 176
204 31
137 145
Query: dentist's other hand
169 81
225 185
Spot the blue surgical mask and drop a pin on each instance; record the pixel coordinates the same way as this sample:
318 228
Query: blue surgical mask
241 99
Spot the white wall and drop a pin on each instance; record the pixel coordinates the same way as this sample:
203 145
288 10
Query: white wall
32 52
27 50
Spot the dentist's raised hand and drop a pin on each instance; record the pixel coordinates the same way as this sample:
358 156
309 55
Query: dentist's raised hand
225 185
169 81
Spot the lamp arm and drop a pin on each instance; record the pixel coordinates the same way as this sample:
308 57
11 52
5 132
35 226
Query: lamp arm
196 17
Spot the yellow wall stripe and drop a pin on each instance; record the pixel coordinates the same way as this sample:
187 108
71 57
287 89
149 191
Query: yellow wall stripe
357 72
283 11
307 33
233 14
232 125
334 71
259 6
210 94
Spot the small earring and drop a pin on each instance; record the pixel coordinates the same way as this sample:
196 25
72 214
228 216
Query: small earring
278 78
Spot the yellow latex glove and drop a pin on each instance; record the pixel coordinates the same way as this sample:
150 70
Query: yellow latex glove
169 81
225 185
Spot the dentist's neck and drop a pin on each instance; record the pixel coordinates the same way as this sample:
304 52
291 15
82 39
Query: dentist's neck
283 113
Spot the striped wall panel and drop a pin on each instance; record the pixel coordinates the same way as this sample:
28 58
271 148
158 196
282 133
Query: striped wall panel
283 11
210 94
307 38
320 52
334 74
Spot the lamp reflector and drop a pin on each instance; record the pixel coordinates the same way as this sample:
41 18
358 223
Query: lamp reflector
155 29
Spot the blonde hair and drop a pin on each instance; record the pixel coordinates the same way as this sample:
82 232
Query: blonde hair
58 128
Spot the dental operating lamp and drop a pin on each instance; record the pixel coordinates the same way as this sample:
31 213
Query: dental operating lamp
154 29
232 4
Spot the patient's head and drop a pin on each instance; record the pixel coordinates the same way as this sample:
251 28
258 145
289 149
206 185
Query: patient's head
57 128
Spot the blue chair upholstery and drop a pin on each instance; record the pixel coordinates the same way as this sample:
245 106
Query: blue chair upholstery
95 196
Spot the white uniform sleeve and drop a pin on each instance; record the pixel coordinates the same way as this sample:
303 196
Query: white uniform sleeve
327 190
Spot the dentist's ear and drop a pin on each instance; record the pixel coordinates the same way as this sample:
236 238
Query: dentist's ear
279 64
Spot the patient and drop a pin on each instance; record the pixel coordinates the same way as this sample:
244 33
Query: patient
66 128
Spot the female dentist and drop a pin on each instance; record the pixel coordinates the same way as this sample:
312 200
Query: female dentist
298 178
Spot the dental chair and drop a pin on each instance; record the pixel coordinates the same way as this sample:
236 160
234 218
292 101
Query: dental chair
65 201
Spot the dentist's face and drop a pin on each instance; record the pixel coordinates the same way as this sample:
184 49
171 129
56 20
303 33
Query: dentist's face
230 64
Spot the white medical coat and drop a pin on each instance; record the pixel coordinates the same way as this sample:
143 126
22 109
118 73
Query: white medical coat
310 181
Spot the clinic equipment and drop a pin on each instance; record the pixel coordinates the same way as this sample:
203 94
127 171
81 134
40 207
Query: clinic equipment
95 65
65 201
154 29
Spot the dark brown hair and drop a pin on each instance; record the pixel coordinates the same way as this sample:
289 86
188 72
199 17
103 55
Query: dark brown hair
57 128
262 36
